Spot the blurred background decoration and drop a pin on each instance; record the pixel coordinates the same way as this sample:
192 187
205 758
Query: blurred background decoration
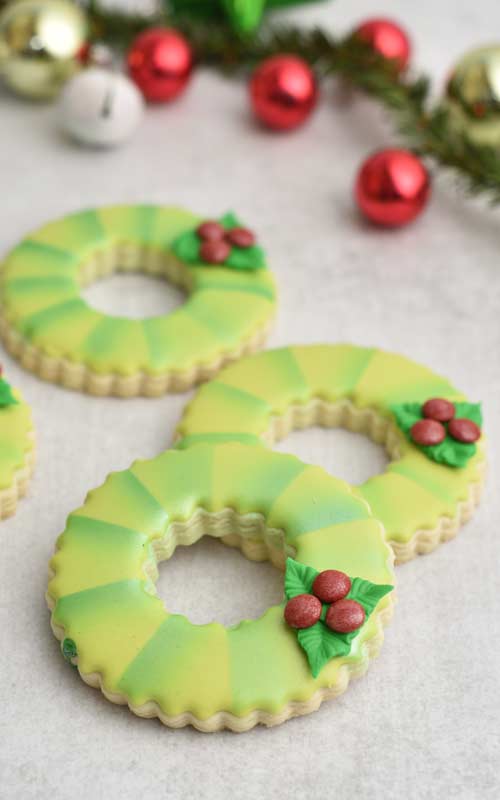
149 53
474 95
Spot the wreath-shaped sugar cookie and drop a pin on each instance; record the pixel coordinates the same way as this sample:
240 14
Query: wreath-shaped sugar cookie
17 447
435 476
113 626
53 331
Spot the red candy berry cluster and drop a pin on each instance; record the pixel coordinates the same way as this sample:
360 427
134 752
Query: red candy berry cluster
332 587
217 241
431 430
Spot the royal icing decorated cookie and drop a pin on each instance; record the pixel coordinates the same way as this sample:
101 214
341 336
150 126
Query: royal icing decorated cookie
51 329
114 627
17 450
431 433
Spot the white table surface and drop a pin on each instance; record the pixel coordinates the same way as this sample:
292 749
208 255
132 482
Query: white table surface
424 722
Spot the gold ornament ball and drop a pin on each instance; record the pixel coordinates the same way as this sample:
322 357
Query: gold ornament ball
39 45
473 95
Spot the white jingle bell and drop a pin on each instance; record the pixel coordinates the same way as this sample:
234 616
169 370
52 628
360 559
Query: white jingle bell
100 108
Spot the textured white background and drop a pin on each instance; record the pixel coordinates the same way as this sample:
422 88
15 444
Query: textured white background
424 721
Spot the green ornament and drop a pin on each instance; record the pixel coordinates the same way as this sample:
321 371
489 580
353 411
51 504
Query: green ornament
244 16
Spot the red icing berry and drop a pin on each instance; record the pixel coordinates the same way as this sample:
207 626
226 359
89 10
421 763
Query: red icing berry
210 231
241 237
439 409
303 611
427 432
464 430
331 585
215 252
345 616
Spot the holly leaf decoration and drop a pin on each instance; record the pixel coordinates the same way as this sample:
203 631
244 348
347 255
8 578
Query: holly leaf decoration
319 642
6 396
368 594
299 578
187 248
321 645
68 649
449 452
471 411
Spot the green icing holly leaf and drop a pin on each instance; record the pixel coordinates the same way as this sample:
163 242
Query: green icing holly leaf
407 414
319 642
187 248
321 645
6 396
229 221
368 594
68 649
299 578
246 258
471 411
449 452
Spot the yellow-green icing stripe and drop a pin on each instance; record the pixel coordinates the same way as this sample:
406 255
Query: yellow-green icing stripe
231 410
315 500
93 553
77 233
33 260
40 292
16 441
104 602
110 625
72 320
390 379
414 492
253 485
124 500
178 657
170 340
178 482
110 339
333 371
278 380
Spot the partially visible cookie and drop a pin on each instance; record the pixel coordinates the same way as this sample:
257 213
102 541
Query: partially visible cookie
17 447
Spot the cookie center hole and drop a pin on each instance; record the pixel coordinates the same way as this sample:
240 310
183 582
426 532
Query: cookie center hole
349 442
133 295
347 455
211 582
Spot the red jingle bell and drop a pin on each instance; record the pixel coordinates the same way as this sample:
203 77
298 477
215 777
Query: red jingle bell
387 38
283 92
392 187
160 62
